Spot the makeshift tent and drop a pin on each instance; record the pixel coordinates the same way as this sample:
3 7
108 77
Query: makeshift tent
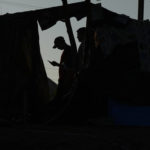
120 69
116 70
24 80
24 85
125 46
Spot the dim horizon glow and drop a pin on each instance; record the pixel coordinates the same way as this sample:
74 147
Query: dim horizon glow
127 7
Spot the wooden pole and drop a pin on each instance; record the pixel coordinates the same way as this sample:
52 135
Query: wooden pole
70 31
88 36
140 10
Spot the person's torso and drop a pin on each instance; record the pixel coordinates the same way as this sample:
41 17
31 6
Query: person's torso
68 59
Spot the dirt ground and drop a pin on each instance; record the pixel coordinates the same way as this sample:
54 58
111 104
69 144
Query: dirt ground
73 138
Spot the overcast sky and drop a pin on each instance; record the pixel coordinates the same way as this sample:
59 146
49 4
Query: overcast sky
127 7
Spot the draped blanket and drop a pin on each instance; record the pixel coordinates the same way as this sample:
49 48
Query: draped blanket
23 80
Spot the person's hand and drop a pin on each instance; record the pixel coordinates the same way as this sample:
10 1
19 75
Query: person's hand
54 63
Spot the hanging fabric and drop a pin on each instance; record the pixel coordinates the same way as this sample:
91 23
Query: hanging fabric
24 86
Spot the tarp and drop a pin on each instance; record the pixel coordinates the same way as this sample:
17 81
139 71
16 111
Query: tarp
23 78
24 86
126 115
124 43
49 16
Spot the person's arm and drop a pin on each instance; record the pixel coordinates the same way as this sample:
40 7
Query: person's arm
54 63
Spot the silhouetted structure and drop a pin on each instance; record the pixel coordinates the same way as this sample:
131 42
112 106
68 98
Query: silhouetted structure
118 66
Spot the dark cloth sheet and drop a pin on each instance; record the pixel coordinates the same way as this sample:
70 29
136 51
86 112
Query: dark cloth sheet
23 80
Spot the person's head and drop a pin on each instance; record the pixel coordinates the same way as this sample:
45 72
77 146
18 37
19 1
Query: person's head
59 43
81 34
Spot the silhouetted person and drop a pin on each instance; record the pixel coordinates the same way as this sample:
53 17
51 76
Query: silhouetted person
81 32
97 55
66 66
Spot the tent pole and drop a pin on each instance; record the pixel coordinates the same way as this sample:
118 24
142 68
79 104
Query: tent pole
88 35
140 10
70 31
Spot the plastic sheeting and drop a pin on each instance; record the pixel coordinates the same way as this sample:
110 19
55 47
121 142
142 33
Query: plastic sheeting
24 85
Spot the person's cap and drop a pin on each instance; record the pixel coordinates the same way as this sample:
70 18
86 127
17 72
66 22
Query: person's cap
57 41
